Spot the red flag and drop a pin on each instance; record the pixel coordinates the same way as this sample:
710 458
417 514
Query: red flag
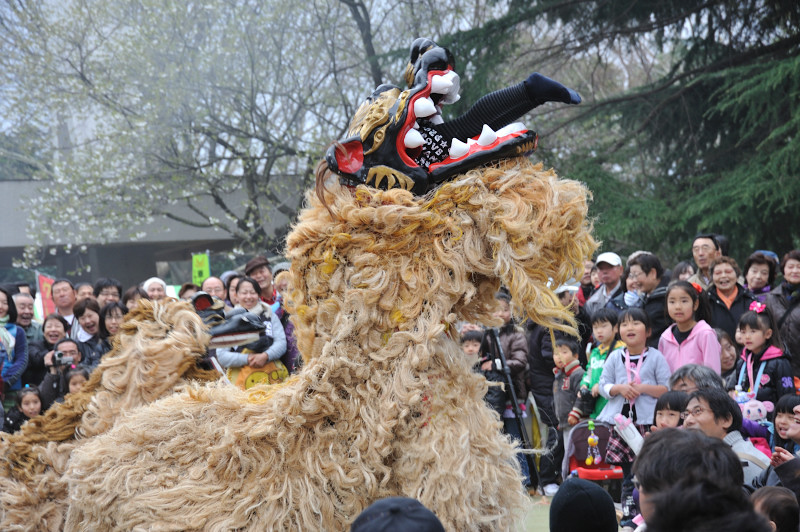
46 290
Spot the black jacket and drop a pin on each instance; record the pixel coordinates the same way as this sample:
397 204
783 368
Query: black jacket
540 370
656 309
779 305
35 371
728 319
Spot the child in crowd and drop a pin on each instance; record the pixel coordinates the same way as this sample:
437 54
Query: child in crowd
605 330
515 349
568 372
76 377
669 408
28 405
56 386
779 505
763 368
690 340
633 379
784 418
471 346
727 359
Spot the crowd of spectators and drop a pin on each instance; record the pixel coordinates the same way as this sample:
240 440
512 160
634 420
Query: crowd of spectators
727 340
42 362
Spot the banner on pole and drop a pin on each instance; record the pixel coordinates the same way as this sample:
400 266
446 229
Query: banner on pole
45 291
201 268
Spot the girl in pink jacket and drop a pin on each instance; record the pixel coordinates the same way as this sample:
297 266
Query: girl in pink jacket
690 340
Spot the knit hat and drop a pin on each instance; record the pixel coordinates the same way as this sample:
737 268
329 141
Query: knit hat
396 514
582 505
255 263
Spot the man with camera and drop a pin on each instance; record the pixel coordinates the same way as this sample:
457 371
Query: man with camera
65 355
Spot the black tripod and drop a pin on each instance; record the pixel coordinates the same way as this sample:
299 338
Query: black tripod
494 348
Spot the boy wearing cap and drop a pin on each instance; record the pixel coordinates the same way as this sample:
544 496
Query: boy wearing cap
609 269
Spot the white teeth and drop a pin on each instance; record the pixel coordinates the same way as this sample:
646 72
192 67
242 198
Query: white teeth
511 128
413 139
437 119
416 124
458 149
452 94
424 108
487 136
440 84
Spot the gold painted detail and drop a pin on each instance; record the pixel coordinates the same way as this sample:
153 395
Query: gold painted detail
377 174
370 116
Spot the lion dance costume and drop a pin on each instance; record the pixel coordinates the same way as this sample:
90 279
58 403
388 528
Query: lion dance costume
414 224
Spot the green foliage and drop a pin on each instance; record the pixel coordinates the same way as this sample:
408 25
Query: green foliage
710 145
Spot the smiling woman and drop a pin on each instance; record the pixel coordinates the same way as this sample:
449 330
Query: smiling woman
87 312
728 299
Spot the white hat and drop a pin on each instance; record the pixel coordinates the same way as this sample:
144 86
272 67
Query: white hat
609 258
570 286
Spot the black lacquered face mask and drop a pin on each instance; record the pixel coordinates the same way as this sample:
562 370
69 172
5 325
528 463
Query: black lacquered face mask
398 138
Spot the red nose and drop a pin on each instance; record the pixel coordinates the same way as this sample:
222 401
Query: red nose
350 157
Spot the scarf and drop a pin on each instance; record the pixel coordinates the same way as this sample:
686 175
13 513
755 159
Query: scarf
6 338
790 291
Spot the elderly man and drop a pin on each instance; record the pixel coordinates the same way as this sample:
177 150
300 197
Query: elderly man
705 249
33 330
214 287
609 269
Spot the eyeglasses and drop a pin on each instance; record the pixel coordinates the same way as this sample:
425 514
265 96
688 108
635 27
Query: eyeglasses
704 247
635 275
109 293
694 412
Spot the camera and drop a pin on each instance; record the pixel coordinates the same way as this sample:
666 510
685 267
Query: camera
60 360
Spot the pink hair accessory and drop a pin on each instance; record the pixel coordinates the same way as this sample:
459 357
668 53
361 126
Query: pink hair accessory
757 307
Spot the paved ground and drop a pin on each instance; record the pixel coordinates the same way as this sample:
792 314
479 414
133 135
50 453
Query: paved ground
538 519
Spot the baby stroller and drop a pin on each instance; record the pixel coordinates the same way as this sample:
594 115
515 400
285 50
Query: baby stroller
577 449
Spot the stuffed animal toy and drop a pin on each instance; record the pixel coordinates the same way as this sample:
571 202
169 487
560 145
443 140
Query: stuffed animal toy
399 241
758 412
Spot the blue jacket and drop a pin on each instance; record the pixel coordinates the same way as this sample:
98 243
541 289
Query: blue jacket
14 364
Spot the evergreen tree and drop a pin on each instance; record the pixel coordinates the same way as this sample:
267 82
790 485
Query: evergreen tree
713 144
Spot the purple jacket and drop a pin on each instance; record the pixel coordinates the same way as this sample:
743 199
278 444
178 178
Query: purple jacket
701 347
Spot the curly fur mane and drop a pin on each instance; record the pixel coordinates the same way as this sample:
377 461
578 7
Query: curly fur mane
386 403
155 352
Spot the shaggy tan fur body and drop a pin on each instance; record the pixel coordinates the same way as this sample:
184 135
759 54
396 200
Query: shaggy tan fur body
386 403
155 353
